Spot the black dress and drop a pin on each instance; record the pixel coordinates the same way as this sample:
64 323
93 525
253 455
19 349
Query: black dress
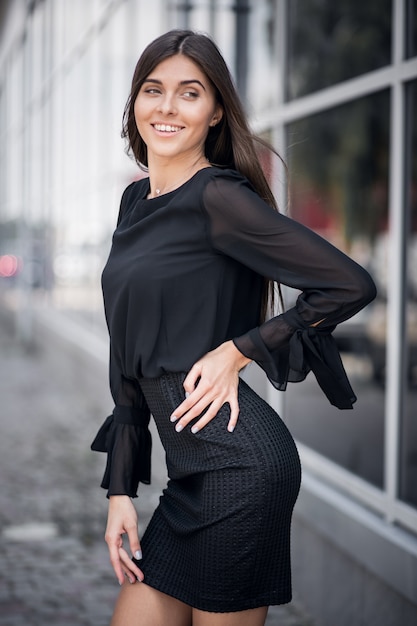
184 275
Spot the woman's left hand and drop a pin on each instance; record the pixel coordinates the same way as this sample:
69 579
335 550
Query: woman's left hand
210 383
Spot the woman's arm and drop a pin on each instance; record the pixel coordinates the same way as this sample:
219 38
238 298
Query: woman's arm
126 439
332 288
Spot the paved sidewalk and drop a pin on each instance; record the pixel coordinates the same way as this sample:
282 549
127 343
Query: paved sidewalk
54 567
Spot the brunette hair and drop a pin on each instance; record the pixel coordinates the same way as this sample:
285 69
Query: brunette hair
229 144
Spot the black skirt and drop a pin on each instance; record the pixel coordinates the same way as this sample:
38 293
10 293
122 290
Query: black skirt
219 539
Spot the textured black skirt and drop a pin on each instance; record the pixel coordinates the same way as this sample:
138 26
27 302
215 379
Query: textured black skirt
219 539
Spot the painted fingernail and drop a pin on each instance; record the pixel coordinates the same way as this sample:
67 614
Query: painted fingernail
179 428
120 583
187 393
138 579
173 418
230 429
195 429
138 555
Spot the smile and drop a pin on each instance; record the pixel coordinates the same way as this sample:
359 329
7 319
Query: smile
167 128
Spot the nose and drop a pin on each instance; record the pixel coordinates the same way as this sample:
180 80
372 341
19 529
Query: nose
166 104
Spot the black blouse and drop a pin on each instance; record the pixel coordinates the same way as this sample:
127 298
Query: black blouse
185 274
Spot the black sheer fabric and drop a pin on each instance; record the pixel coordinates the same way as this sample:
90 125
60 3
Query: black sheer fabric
333 288
185 274
125 437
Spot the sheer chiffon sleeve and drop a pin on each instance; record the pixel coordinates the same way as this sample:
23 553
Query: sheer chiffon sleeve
333 287
125 437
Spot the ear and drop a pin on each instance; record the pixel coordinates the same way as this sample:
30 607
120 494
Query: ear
217 116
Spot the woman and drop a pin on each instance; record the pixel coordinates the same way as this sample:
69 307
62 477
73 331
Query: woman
197 247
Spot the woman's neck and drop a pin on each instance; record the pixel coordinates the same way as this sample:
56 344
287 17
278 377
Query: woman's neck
166 176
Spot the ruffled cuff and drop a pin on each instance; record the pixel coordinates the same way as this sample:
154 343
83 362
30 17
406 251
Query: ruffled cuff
308 349
126 438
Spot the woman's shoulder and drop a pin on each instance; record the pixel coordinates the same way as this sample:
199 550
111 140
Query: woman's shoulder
227 174
219 180
224 181
135 189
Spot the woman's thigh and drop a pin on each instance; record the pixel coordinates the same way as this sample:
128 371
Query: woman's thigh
141 605
250 617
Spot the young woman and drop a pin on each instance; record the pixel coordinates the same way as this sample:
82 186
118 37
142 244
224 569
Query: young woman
197 247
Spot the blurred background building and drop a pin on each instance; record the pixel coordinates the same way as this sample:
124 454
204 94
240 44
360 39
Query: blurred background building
333 85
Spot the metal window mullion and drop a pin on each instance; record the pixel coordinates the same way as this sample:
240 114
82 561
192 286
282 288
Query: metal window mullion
279 184
395 270
336 95
278 129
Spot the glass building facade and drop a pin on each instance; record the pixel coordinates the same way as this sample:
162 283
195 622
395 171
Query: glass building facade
333 85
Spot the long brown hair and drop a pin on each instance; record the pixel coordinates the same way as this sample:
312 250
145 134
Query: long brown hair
229 144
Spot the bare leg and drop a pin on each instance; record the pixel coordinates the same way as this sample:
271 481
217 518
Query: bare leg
141 605
251 617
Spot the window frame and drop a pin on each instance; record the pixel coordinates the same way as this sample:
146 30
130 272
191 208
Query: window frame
385 502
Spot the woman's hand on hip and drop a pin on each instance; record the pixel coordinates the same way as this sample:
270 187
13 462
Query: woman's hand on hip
210 383
122 519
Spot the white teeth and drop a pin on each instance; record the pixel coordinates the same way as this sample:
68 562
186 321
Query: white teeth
167 128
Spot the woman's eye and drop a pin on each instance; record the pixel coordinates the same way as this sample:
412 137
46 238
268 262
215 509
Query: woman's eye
191 94
151 90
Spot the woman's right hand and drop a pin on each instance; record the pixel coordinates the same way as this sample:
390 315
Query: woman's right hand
122 519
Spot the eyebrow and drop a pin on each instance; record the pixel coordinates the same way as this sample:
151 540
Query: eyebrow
182 82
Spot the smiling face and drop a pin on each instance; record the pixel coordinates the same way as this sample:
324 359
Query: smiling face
174 109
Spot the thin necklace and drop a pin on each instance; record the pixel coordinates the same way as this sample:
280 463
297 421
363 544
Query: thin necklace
178 183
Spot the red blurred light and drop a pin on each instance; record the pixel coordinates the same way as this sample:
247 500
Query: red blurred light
10 265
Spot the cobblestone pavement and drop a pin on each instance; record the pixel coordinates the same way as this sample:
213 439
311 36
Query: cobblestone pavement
54 567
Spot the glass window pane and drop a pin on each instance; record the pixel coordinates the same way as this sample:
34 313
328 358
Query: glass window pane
329 41
411 29
263 60
338 164
408 468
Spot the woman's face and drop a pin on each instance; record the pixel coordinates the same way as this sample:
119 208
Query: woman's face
174 109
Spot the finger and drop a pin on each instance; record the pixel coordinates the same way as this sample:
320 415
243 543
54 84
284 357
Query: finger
213 411
210 414
115 561
129 575
197 410
130 569
188 403
193 375
234 415
134 544
184 407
